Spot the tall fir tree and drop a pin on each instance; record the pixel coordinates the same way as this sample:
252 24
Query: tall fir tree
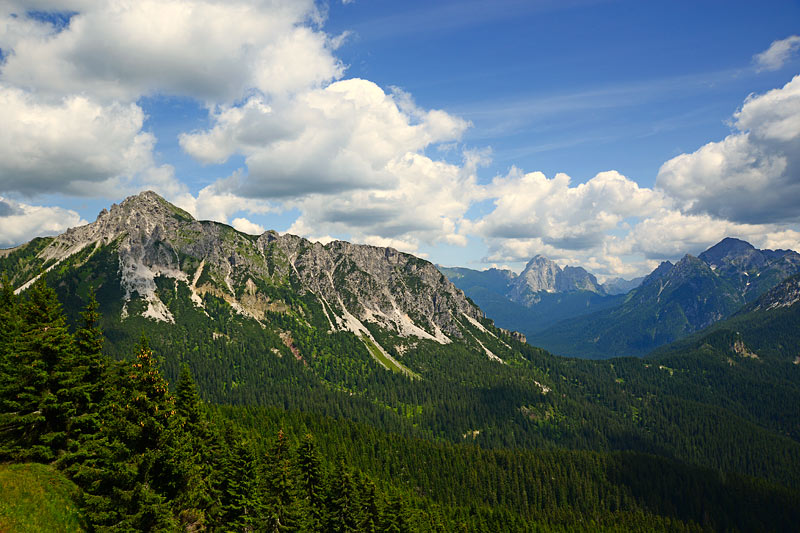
343 507
35 416
311 484
11 404
130 479
282 504
201 451
241 504
83 386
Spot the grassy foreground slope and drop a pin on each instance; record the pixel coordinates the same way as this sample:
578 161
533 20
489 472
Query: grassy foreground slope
36 497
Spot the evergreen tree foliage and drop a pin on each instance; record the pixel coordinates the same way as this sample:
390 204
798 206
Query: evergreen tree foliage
278 477
200 448
241 507
36 409
146 459
343 505
83 385
133 473
311 484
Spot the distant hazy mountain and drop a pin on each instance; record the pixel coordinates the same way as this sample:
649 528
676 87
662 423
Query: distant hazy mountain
620 285
543 294
674 301
544 276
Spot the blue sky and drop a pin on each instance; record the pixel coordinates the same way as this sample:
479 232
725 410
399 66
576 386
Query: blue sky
446 129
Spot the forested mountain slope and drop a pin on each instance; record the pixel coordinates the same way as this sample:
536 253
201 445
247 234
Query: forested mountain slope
392 367
145 458
674 301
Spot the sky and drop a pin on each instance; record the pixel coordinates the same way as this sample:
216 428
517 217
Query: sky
611 135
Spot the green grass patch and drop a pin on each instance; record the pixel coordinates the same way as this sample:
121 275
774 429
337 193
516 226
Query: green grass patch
388 363
35 497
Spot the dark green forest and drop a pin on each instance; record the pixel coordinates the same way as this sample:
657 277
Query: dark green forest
174 431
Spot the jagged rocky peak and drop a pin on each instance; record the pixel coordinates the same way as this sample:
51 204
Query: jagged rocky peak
354 283
660 271
143 214
381 285
543 275
577 279
539 275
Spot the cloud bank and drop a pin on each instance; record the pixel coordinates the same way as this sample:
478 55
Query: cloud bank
352 158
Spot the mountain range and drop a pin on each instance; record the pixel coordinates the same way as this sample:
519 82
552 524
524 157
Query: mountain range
566 311
399 373
540 296
146 252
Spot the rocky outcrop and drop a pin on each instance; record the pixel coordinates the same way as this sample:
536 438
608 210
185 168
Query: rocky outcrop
542 275
785 294
395 289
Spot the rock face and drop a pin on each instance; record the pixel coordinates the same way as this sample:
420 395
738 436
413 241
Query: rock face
542 275
750 270
354 284
785 294
382 285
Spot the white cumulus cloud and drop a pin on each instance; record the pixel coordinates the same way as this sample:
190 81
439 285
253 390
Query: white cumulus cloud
751 176
345 136
70 145
779 52
246 226
21 222
532 210
213 50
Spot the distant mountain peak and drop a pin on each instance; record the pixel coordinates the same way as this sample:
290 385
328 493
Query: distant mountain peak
544 275
729 247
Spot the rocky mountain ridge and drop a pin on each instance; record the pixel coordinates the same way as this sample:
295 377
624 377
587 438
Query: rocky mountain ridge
785 294
157 243
543 275
675 300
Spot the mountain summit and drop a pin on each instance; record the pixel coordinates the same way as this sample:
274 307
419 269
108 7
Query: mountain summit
543 275
154 252
675 300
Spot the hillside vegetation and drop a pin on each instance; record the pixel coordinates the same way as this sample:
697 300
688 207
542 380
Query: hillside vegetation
36 498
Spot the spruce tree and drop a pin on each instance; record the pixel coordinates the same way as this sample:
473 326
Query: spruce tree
342 504
282 510
199 449
83 385
35 416
129 476
311 484
370 511
241 508
11 425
